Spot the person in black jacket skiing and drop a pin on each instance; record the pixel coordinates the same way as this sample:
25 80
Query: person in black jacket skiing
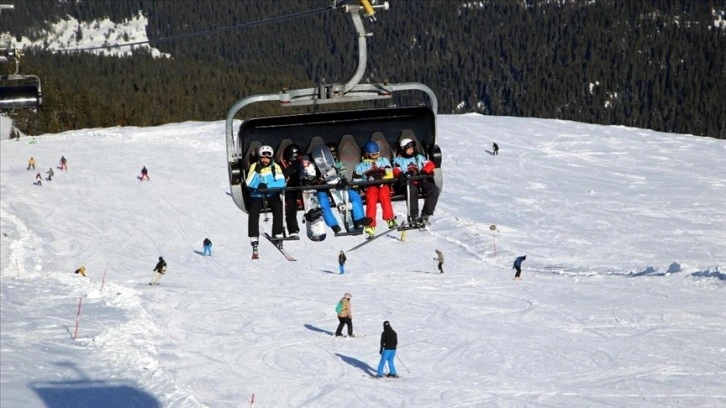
389 341
160 269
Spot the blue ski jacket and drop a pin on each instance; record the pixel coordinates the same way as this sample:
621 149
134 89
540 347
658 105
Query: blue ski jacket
369 169
274 178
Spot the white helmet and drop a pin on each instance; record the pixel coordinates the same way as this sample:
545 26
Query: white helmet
265 151
405 142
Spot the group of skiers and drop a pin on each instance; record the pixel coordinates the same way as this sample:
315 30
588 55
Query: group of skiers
266 179
39 178
389 338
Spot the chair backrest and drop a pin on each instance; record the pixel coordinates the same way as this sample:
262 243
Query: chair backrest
386 150
349 153
281 149
251 154
316 140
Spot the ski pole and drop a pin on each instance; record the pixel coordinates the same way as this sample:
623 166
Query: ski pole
264 207
404 365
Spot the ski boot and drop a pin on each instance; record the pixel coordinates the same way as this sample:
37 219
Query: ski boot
255 252
369 231
391 223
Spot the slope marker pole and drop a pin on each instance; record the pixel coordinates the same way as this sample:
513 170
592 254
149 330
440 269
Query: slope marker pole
78 318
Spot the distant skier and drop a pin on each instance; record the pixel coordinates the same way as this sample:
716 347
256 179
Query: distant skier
345 316
63 163
50 174
39 179
341 262
389 342
144 174
518 266
411 163
81 271
495 147
160 270
207 244
31 163
440 259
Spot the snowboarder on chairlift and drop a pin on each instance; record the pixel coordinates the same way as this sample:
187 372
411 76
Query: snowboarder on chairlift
354 200
411 163
264 174
290 168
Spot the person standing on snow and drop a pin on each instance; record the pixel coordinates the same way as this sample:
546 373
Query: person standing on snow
31 163
440 259
264 174
160 269
341 261
144 174
290 168
50 174
39 179
410 163
495 147
207 244
375 167
518 266
345 316
389 342
63 163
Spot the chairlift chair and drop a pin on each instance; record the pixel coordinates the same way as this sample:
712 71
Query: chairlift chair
17 91
349 129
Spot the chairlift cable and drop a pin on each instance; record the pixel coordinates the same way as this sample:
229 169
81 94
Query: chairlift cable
337 4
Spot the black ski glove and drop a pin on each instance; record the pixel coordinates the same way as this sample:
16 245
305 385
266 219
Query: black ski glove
342 184
258 168
261 185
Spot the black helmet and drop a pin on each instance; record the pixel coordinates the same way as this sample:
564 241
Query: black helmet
291 152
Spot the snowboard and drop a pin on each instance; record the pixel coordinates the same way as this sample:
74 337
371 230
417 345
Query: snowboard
325 163
314 223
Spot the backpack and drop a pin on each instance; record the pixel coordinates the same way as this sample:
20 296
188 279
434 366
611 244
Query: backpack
339 307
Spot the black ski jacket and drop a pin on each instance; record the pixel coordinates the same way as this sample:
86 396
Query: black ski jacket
389 339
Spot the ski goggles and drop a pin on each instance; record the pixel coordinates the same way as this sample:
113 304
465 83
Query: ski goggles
266 154
411 145
374 155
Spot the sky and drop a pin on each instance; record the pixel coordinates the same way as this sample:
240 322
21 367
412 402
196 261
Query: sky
621 302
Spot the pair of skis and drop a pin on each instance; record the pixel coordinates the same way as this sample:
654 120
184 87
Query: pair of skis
277 242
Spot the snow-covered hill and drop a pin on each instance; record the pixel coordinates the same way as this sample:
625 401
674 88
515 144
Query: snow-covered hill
622 302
